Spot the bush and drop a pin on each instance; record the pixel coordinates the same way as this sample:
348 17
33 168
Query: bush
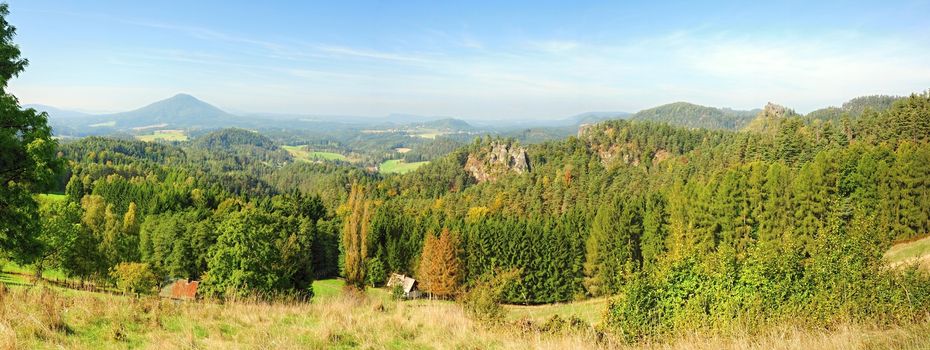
633 314
376 272
134 277
397 292
483 300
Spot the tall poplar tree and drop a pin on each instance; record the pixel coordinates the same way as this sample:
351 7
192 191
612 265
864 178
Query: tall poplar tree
355 237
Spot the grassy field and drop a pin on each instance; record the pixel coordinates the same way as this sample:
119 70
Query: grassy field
163 135
47 318
12 272
301 153
398 166
913 252
50 197
428 133
588 310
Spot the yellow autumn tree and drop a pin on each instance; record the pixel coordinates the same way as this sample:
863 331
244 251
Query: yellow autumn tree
355 237
440 271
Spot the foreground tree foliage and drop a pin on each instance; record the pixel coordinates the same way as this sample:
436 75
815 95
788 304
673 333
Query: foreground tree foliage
28 161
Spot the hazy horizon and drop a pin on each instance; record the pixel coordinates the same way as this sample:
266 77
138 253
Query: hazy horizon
470 61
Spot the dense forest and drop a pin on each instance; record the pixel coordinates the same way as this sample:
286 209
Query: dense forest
690 227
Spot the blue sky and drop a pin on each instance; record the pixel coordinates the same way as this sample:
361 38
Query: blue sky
470 59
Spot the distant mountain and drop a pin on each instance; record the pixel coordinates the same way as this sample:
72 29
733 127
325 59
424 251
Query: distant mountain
447 124
54 112
696 116
594 117
854 107
179 111
63 122
400 118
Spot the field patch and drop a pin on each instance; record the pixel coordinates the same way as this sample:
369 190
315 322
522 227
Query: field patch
163 135
588 310
399 166
429 134
327 288
104 124
50 197
907 253
303 154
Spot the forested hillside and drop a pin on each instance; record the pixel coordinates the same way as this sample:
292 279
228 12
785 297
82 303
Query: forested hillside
695 116
184 211
695 228
854 108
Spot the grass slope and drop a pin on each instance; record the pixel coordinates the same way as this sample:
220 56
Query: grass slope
588 310
56 319
913 252
398 166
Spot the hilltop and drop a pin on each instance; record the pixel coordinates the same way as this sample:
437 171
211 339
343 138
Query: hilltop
690 115
178 111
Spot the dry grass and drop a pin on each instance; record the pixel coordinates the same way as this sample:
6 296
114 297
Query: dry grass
47 318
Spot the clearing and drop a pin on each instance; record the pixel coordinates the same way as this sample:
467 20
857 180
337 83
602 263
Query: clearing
111 123
163 135
910 252
301 153
398 166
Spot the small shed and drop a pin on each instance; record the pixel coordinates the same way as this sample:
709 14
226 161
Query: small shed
407 283
180 289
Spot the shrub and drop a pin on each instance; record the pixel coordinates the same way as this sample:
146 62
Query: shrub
483 300
397 292
376 272
134 277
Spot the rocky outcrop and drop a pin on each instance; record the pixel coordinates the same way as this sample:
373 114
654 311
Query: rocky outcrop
768 120
584 128
500 159
660 156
